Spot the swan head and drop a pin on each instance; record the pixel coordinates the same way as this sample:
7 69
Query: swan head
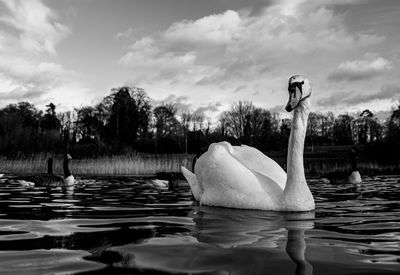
68 156
299 89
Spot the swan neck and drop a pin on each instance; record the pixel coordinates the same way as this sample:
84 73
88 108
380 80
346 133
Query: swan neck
296 248
297 195
295 165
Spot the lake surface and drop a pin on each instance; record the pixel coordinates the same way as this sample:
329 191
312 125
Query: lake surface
130 226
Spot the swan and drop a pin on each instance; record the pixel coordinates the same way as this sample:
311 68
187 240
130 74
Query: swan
344 178
49 179
354 177
243 177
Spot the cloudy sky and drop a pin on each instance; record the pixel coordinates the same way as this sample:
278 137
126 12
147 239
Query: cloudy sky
202 54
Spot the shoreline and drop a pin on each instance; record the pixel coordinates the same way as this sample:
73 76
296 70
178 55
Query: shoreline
149 166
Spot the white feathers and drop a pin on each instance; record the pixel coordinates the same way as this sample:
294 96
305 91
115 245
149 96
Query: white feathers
68 181
355 177
243 177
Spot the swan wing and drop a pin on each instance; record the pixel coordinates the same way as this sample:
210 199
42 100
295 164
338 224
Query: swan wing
269 185
227 182
262 166
193 183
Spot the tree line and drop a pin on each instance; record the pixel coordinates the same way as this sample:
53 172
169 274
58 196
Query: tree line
125 121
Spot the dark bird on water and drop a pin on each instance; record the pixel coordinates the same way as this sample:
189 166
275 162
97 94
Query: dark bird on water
49 179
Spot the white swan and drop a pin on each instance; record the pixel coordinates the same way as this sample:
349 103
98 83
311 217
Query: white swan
243 177
339 178
354 177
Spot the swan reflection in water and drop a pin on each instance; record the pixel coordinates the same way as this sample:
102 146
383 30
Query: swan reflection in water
227 241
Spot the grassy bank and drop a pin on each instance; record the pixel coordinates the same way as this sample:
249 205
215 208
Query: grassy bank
316 163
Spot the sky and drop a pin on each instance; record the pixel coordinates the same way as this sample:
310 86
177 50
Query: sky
202 55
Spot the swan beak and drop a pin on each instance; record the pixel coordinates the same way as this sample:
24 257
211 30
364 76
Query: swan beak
294 98
295 95
288 108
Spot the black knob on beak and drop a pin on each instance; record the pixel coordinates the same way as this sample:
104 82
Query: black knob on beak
288 108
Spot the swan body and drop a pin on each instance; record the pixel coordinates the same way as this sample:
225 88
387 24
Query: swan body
355 177
229 177
243 177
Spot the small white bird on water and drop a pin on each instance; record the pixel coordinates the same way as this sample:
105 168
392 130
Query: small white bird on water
243 177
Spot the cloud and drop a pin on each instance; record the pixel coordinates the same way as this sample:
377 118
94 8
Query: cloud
24 75
383 115
21 95
349 98
336 98
180 102
391 91
210 108
29 73
221 53
183 105
240 88
149 58
36 24
30 32
212 30
277 109
360 70
40 83
127 34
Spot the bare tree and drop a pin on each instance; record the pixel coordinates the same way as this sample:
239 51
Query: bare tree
236 118
186 119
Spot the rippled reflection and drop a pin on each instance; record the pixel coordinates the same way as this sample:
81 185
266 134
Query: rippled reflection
127 225
232 241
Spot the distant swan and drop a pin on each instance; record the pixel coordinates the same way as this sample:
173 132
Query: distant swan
243 177
354 176
343 177
49 179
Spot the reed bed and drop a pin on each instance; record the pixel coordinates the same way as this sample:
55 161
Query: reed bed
321 167
133 165
149 165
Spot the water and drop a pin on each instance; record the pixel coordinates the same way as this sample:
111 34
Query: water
125 226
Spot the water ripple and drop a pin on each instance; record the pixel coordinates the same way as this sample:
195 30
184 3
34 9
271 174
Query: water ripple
126 225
